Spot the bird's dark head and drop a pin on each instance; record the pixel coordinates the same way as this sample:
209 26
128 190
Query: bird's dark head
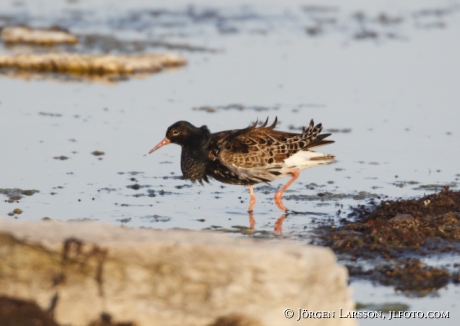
185 134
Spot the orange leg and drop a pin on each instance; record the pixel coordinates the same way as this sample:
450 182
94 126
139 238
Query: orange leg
252 202
279 193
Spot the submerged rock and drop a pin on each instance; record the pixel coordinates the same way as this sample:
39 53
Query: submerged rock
80 271
42 36
91 63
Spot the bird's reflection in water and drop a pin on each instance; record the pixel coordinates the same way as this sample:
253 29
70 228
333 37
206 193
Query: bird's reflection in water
252 221
278 224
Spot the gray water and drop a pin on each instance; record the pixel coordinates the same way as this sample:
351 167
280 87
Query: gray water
383 78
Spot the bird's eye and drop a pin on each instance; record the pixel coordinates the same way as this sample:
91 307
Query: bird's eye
175 132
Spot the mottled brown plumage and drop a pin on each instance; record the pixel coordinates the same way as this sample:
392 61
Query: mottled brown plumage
246 156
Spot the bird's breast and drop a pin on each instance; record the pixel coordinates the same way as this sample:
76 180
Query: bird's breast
193 164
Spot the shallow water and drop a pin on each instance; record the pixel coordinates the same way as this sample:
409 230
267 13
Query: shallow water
387 89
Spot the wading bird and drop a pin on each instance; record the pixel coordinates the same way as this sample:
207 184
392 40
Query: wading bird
247 156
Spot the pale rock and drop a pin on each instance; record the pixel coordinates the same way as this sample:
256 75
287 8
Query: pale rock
167 277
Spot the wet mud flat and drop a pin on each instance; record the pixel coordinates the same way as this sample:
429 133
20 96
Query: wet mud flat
388 242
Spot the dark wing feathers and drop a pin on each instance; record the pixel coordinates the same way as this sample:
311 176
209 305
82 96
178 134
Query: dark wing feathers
261 146
319 141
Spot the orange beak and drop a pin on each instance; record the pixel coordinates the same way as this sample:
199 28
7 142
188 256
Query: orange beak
165 141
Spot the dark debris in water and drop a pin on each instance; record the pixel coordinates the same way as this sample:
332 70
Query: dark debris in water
244 230
107 189
170 177
436 187
183 186
136 186
337 130
131 173
411 276
402 184
156 218
327 195
237 107
154 193
110 44
401 231
124 220
49 114
62 158
15 194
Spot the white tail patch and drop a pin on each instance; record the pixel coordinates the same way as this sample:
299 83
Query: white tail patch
307 159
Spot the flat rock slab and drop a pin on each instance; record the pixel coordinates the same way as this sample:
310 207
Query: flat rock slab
42 36
91 63
79 270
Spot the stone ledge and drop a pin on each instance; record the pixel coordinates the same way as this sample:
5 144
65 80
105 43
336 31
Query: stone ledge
92 63
42 36
79 270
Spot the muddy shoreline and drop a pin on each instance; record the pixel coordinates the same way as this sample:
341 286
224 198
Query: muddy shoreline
385 241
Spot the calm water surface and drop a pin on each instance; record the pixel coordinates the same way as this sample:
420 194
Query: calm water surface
387 89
